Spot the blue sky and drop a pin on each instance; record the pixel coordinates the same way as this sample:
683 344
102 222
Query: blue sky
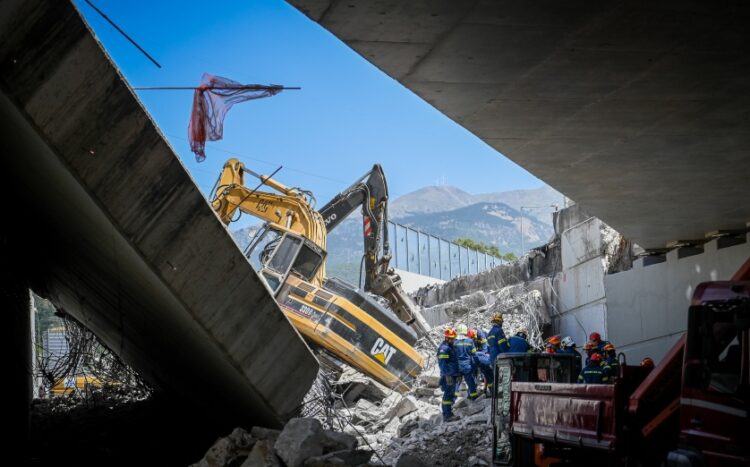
348 115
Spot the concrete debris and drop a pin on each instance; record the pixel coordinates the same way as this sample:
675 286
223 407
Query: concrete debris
269 434
229 450
407 460
302 442
262 455
408 429
338 441
339 458
404 406
301 438
360 388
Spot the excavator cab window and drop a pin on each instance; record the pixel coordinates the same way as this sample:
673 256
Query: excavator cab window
308 260
274 254
285 254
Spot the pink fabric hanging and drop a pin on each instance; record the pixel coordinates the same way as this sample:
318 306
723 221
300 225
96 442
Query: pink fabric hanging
211 102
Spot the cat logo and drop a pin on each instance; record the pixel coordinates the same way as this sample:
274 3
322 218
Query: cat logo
382 351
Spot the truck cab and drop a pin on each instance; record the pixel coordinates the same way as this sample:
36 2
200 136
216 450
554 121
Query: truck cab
715 395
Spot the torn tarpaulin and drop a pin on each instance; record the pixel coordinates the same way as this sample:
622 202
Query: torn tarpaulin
211 102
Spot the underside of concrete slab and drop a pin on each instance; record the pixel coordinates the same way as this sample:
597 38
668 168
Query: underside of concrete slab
637 110
112 229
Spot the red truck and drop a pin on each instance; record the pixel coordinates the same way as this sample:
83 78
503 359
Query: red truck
691 410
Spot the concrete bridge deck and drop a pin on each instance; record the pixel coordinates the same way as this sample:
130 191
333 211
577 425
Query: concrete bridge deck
636 110
102 218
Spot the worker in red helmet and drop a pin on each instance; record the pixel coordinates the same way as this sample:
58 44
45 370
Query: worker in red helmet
596 339
465 352
595 372
448 363
481 358
647 362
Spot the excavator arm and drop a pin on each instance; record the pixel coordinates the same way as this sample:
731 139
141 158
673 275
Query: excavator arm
370 192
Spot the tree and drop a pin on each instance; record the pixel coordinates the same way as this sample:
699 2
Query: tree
484 248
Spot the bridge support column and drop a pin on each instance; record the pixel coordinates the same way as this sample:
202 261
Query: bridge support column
15 305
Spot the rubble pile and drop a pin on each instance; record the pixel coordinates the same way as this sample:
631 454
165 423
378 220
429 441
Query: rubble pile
302 442
398 427
345 409
523 306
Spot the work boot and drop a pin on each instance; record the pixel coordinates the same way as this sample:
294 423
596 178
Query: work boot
450 418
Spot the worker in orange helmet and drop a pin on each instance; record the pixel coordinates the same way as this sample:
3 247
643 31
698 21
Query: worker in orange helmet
647 362
610 358
553 344
448 363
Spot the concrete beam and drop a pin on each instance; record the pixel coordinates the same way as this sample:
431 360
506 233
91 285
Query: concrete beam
121 238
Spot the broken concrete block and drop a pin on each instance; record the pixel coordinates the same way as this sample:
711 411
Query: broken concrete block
408 460
352 391
403 407
258 432
431 381
337 441
364 404
219 454
407 428
344 457
301 438
461 403
242 439
424 391
262 455
354 429
391 427
476 461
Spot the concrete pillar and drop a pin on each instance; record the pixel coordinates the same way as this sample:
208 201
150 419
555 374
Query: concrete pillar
15 302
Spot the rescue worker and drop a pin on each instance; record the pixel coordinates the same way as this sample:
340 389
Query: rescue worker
610 358
553 344
496 339
590 349
594 372
569 347
480 340
448 364
465 354
596 339
518 343
647 362
482 359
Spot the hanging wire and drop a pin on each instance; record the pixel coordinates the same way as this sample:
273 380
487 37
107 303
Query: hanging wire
125 35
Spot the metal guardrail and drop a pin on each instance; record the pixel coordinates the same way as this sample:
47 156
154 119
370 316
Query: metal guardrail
422 253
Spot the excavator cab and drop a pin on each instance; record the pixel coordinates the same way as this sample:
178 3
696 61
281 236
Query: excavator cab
275 254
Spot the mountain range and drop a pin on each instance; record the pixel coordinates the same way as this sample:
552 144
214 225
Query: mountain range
451 213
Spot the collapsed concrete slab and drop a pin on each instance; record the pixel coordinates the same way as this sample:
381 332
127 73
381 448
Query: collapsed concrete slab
115 232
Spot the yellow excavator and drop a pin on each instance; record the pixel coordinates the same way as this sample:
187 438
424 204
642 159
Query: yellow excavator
289 254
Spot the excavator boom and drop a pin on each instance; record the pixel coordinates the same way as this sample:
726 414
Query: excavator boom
370 193
289 255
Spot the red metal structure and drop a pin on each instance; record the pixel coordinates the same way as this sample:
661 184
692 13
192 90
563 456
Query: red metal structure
691 410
